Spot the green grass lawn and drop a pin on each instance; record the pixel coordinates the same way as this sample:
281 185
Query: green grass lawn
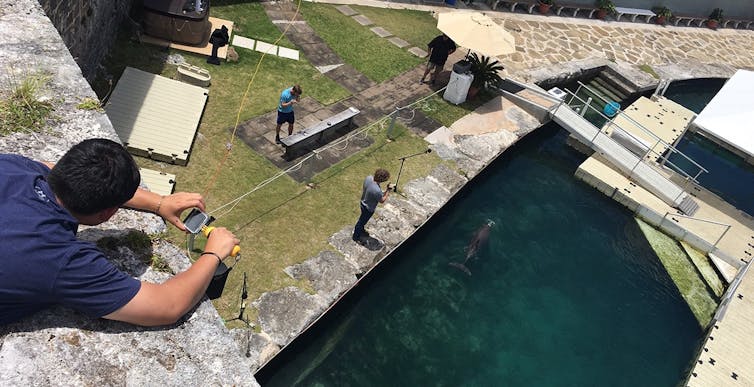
415 27
371 55
284 222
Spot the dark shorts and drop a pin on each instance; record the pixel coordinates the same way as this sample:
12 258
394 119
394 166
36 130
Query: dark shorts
285 117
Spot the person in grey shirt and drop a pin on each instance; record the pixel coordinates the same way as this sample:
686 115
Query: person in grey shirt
371 195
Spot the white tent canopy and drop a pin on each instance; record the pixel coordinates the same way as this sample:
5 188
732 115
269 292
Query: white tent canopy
729 117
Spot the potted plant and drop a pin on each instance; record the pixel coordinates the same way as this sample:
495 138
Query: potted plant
715 18
663 14
485 71
604 7
544 6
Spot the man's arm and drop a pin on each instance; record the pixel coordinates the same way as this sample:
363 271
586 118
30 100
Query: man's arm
163 304
169 207
385 194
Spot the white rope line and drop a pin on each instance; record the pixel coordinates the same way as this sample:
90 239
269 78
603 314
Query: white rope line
379 124
233 203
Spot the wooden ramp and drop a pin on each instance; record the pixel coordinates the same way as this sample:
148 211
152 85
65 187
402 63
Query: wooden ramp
156 117
625 160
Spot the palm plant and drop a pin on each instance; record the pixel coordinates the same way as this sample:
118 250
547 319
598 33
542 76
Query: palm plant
485 70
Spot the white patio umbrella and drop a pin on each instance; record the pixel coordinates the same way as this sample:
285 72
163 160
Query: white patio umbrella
477 32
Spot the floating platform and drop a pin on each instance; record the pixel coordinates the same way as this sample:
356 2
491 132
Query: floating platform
156 117
158 182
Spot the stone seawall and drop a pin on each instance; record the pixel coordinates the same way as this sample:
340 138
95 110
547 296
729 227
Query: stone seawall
62 347
88 28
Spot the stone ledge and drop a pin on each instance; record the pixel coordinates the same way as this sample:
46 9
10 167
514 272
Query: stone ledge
59 345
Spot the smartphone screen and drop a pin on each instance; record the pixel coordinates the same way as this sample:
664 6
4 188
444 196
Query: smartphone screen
195 220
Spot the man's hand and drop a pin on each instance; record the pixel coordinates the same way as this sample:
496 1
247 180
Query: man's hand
168 207
221 242
172 206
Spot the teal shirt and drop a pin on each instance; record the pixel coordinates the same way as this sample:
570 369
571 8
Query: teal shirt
285 97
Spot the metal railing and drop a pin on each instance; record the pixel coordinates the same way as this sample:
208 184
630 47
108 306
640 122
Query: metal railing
662 87
727 226
585 105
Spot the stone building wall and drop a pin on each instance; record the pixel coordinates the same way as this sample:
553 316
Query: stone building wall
88 28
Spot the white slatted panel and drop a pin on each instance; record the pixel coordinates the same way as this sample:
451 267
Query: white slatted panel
158 182
156 117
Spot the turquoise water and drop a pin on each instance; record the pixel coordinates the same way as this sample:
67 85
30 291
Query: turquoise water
566 293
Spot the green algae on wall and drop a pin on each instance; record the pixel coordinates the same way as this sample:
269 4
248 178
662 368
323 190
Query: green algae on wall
704 266
683 272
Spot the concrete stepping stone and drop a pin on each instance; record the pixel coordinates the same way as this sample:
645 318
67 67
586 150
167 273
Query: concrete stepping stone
289 22
240 41
327 68
363 20
267 48
346 10
288 53
418 52
381 32
398 42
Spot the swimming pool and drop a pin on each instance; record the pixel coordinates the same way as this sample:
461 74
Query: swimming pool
567 292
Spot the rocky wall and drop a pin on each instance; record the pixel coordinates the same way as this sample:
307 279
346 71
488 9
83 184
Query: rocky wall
88 28
60 347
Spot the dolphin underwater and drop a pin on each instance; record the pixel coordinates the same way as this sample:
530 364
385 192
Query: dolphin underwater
477 242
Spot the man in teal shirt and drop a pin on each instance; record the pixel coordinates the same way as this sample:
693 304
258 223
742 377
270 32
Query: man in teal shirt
288 97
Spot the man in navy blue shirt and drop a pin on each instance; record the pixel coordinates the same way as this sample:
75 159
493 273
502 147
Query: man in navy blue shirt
43 264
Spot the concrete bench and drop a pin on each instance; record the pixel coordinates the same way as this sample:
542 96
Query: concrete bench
527 4
689 19
318 134
575 8
746 23
633 12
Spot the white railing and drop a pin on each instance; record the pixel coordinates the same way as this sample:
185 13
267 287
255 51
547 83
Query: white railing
610 121
727 226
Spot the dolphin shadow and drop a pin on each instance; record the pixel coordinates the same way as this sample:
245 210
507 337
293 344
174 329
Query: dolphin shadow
371 244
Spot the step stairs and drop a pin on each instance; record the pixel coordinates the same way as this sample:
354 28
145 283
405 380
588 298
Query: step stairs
617 83
605 95
612 91
688 205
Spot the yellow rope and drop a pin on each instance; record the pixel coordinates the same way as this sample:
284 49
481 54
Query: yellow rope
229 146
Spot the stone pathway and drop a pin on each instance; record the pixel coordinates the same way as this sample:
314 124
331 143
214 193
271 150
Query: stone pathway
373 100
381 32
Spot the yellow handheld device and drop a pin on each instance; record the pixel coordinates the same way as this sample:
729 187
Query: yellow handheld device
198 221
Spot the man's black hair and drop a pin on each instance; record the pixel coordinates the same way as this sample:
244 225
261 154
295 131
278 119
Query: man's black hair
94 175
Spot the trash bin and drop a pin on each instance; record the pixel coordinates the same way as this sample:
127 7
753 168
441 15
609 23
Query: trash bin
458 87
462 66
